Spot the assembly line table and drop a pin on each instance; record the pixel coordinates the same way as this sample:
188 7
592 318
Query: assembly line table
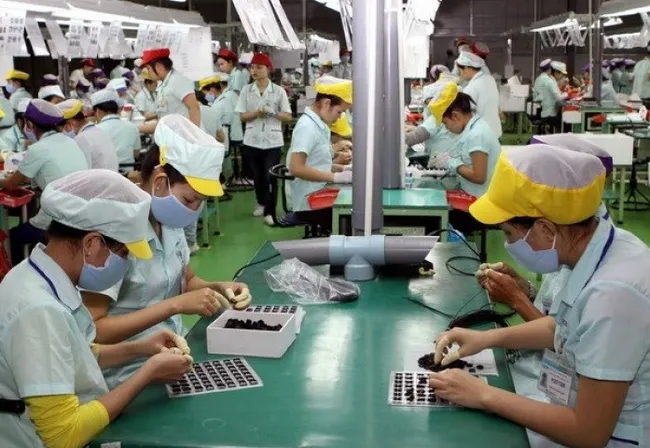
330 389
588 111
410 202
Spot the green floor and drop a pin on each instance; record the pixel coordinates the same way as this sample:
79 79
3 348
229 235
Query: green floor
242 235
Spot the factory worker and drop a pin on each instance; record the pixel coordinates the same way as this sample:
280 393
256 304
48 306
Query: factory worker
481 50
180 171
428 90
51 94
100 84
16 82
326 68
50 80
263 107
607 91
227 62
124 135
462 45
13 139
617 65
7 122
145 100
227 103
220 107
87 66
341 139
595 336
96 144
119 70
51 156
343 70
478 146
437 71
48 364
132 83
313 67
627 76
547 91
538 85
95 76
515 79
175 94
482 88
310 156
82 90
119 85
641 82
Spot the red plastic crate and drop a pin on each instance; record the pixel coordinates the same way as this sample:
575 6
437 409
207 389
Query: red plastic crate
16 197
459 200
323 198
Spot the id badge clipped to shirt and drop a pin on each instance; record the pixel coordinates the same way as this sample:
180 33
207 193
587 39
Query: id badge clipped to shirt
555 378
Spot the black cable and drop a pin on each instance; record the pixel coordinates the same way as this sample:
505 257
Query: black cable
453 269
459 235
239 271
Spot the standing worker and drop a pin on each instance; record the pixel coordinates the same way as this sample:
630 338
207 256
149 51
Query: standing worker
547 91
545 200
96 144
16 82
227 62
617 72
627 77
7 122
12 139
343 70
607 87
145 100
482 88
179 172
124 134
213 89
87 66
641 83
119 70
263 107
49 364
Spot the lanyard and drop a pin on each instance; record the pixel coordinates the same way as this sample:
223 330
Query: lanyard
47 280
608 245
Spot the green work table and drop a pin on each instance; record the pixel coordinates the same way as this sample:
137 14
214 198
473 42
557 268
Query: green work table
412 202
330 389
588 111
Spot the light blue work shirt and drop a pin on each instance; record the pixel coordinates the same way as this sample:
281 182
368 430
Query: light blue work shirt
9 118
12 139
263 132
440 139
311 136
478 136
485 93
236 128
223 109
19 95
170 95
54 156
210 120
145 102
98 148
238 78
147 283
641 83
45 335
626 82
547 91
607 92
617 73
125 136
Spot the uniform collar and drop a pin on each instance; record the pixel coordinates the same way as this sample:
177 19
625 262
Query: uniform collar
314 116
471 124
46 135
583 271
67 292
269 88
86 126
170 239
477 75
109 117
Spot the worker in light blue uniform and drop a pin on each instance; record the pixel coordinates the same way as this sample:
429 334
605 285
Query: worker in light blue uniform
13 140
607 92
595 337
617 65
641 82
16 83
310 156
213 88
227 63
145 100
180 172
627 77
7 123
436 72
547 91
125 135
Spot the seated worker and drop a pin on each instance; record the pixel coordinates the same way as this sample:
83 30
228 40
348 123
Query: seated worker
96 144
87 67
341 141
545 200
13 139
7 121
310 156
180 171
51 156
437 73
49 79
16 82
482 88
217 110
607 92
145 100
51 94
48 362
119 85
125 135
82 90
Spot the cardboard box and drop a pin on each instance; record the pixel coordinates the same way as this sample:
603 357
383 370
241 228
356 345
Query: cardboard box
264 344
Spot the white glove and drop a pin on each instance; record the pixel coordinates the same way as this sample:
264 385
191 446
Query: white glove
440 161
344 177
182 345
241 301
483 268
268 110
347 168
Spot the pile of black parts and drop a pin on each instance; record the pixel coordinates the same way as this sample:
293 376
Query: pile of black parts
427 362
249 324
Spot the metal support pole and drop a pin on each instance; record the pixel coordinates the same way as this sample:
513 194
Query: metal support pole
305 59
228 21
392 141
536 55
64 74
597 77
571 49
367 192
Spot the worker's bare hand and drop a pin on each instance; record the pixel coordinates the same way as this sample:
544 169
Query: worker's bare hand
204 302
167 367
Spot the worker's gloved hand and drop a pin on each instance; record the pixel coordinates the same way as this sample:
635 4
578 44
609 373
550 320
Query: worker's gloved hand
269 111
344 177
204 302
347 168
481 274
439 161
469 342
167 367
239 300
343 158
162 341
453 164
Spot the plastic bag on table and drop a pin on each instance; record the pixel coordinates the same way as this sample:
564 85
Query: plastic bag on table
307 286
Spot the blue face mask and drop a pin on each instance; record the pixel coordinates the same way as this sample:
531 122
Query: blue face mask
210 98
99 279
538 261
29 135
71 134
169 211
10 88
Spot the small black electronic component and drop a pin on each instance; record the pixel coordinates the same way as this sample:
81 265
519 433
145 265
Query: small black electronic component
249 324
215 376
427 362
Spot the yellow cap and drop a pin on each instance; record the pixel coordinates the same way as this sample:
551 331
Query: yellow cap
329 85
140 249
542 181
16 74
327 64
442 97
144 74
342 126
70 108
206 187
207 81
